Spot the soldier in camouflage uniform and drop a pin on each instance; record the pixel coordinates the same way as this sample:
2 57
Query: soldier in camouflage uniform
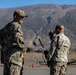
59 50
14 44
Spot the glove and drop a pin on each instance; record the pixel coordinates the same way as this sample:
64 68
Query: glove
48 63
47 55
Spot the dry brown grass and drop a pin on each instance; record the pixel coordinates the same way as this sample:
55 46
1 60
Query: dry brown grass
32 57
72 56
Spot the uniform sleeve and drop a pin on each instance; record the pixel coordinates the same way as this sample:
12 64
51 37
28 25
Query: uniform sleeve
68 44
52 47
18 37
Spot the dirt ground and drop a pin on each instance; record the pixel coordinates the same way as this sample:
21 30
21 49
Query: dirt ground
35 57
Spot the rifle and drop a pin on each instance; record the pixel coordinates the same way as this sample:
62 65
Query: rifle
46 54
71 62
41 43
21 72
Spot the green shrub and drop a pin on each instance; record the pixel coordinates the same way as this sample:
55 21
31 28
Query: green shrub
29 49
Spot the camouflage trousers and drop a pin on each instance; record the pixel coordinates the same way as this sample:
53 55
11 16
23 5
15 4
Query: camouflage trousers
12 69
58 68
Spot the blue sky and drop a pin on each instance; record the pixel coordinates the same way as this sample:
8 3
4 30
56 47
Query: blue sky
18 3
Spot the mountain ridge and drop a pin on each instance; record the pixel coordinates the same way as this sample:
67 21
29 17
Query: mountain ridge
41 19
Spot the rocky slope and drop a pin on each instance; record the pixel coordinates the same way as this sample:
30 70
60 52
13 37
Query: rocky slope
43 18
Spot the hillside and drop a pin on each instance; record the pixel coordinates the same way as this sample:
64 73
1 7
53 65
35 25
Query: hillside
43 18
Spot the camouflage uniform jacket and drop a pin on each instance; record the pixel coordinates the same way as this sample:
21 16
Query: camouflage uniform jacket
60 48
13 43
